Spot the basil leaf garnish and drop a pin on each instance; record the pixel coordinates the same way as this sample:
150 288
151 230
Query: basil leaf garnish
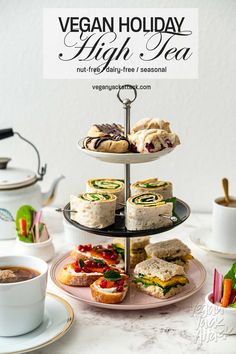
98 261
173 200
81 263
112 275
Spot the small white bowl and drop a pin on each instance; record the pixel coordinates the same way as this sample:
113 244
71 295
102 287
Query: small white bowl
75 236
44 250
223 318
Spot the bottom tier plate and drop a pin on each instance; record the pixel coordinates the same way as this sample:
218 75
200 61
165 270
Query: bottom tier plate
135 299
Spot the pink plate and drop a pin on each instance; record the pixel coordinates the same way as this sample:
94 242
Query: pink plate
135 299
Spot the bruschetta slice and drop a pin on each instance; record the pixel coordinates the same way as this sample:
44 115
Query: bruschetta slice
108 253
82 273
111 288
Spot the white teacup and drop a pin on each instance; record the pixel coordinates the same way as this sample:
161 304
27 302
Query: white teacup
223 237
22 303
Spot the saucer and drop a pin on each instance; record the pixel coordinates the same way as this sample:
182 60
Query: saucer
58 319
199 237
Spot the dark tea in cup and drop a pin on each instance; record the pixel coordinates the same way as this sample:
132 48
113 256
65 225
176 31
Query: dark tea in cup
11 274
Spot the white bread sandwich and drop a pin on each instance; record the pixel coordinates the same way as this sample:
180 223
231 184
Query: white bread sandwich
159 278
82 273
107 253
171 251
137 251
111 288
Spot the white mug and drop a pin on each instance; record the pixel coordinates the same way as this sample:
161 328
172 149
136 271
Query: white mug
22 303
223 236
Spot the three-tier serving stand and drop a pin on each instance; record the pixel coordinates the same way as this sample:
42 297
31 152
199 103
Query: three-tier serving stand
135 299
118 229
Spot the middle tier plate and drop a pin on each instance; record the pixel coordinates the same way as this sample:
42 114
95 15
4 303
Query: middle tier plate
126 157
118 229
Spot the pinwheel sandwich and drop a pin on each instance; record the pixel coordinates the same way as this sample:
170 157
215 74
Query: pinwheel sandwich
152 185
108 186
94 210
148 211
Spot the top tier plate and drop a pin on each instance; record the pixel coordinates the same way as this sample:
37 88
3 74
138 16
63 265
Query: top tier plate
125 158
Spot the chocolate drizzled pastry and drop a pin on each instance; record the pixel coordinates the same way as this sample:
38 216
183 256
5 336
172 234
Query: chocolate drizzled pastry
106 138
114 129
105 129
107 143
99 140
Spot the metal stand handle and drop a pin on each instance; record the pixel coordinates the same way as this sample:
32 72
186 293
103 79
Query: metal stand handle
127 105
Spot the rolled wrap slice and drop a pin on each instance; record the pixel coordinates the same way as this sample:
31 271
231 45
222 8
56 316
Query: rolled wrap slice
108 185
153 185
94 210
144 212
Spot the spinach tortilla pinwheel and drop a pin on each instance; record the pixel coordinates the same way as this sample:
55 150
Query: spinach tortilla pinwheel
108 185
152 185
148 211
94 210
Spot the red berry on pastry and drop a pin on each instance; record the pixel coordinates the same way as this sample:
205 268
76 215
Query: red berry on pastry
106 255
120 282
77 269
133 148
88 248
89 264
114 256
87 270
103 283
106 268
119 288
149 147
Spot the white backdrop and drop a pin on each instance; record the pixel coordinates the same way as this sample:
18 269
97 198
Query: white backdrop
56 113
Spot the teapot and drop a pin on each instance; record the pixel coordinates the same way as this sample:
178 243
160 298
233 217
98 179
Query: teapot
19 186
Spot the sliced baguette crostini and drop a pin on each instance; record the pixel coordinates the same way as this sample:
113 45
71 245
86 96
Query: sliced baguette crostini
111 288
82 273
108 253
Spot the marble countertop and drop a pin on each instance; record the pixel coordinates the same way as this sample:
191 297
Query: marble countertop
172 329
